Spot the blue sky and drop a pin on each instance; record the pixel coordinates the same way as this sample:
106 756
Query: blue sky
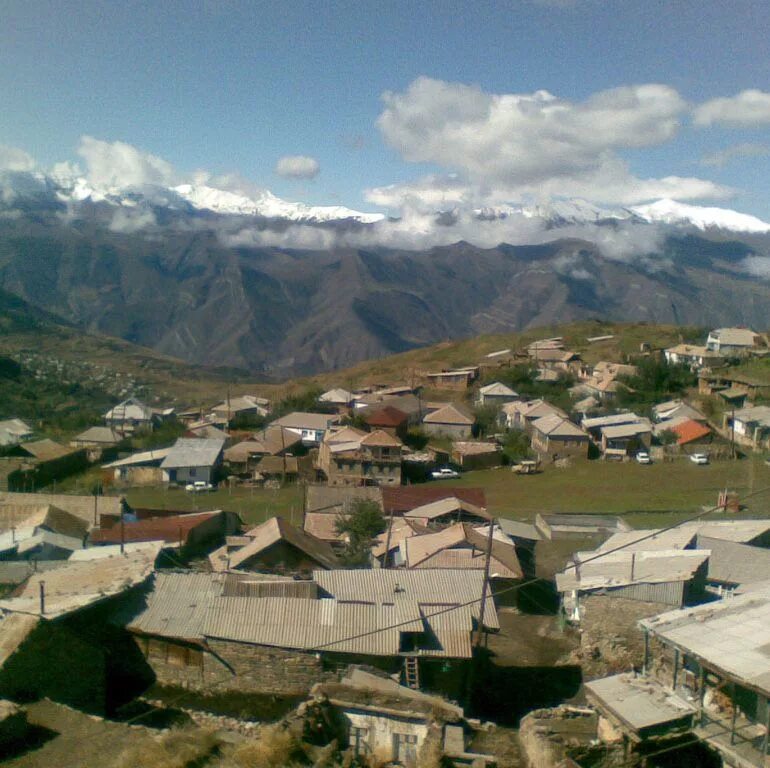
232 87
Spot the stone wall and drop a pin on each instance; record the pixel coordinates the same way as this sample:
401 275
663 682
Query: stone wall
230 666
610 638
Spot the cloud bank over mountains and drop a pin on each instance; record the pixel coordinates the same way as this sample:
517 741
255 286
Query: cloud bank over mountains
493 167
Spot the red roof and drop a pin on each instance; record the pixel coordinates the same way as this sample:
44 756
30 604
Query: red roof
403 498
387 416
170 529
690 431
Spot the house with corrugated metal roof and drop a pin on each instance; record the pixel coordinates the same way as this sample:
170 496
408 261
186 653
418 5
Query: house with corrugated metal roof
448 421
193 460
262 634
277 547
448 511
59 635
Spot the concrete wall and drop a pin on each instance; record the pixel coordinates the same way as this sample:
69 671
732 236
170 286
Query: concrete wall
453 431
380 732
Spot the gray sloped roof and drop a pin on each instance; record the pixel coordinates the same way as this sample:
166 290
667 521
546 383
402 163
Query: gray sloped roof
733 563
193 452
178 605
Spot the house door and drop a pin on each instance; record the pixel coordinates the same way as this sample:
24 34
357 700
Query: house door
405 749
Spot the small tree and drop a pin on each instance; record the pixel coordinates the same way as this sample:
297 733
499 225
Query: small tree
667 437
361 526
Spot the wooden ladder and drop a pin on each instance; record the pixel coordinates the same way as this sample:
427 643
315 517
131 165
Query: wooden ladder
412 672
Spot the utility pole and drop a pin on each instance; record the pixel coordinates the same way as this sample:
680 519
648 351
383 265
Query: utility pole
732 433
485 584
387 540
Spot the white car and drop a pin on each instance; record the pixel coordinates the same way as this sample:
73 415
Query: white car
699 458
643 457
445 473
199 486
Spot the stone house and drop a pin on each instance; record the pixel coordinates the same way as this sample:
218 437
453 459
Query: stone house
388 419
732 341
449 421
457 379
277 547
470 455
349 456
267 635
496 394
554 437
311 427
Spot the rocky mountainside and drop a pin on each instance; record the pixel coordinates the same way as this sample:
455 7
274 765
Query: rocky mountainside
165 277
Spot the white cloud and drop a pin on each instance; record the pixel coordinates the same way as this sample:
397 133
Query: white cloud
130 220
512 146
722 157
118 165
15 160
297 167
747 109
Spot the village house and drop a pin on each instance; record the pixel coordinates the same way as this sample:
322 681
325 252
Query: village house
233 409
732 565
446 511
625 440
58 638
461 546
192 460
496 394
388 419
732 341
379 719
348 456
88 508
14 431
457 379
386 545
705 676
311 427
243 457
693 434
556 360
132 415
449 421
749 426
554 437
97 441
39 532
475 455
277 547
404 499
203 631
603 380
141 468
190 534
734 385
556 527
693 356
521 414
339 398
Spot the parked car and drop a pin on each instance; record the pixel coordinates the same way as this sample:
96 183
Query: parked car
445 473
699 458
199 486
643 457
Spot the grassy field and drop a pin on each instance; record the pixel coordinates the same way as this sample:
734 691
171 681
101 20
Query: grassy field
647 494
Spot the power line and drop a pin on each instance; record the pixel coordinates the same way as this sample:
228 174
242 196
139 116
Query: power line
523 584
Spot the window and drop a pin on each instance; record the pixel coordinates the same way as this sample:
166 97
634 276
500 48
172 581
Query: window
192 471
359 740
405 748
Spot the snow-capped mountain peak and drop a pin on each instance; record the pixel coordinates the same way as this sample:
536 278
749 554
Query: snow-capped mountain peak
266 204
702 217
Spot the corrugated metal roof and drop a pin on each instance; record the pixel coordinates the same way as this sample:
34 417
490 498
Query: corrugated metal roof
193 452
178 605
441 587
305 420
447 506
173 529
305 624
401 499
733 563
276 530
498 389
626 567
449 414
325 497
322 525
140 458
730 635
